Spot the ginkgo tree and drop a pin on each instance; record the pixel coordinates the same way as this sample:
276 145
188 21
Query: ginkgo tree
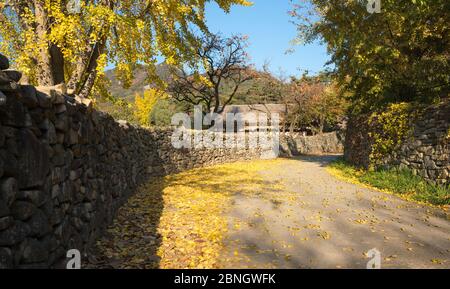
145 104
399 54
53 43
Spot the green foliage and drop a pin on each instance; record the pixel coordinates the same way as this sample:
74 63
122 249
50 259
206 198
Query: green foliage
402 182
263 88
119 109
399 55
389 128
161 115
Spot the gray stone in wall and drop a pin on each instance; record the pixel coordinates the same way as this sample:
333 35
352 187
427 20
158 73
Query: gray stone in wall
33 251
50 133
6 258
38 198
2 164
9 162
4 78
12 75
33 162
44 100
14 234
39 224
22 211
4 209
8 191
61 123
4 62
5 222
426 151
2 137
14 113
29 97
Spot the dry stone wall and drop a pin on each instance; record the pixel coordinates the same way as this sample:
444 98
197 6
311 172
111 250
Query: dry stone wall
293 144
426 151
65 169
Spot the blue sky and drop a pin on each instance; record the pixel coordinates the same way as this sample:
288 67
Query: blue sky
270 32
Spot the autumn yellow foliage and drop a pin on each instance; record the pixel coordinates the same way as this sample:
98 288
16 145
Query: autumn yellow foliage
143 105
392 126
53 43
194 222
180 221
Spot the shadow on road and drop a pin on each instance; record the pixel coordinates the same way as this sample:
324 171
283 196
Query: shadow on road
322 160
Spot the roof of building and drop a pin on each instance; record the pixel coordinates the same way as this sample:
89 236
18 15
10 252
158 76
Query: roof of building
262 108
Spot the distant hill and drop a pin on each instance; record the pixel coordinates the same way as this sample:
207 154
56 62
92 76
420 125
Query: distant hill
258 90
262 89
139 83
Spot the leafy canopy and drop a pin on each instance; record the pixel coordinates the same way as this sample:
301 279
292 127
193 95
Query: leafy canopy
144 105
314 103
52 44
400 54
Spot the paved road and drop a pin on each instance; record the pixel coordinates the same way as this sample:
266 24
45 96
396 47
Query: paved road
318 221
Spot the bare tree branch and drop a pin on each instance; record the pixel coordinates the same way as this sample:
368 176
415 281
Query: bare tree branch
223 62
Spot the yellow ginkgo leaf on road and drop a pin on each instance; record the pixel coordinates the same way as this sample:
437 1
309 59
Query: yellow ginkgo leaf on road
324 235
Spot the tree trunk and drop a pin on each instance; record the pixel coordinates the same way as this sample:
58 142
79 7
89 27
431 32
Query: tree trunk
85 74
216 98
88 85
83 78
321 125
57 63
45 77
89 76
50 61
80 69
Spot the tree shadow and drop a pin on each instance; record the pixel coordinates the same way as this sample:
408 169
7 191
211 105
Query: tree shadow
391 233
133 240
322 160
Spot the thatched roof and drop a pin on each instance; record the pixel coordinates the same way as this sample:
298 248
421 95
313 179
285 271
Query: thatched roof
281 109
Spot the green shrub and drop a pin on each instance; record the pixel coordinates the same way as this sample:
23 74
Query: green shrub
390 127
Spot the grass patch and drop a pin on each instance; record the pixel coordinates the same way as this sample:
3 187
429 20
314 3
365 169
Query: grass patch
402 182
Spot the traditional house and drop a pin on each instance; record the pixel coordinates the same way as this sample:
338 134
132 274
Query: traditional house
248 111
